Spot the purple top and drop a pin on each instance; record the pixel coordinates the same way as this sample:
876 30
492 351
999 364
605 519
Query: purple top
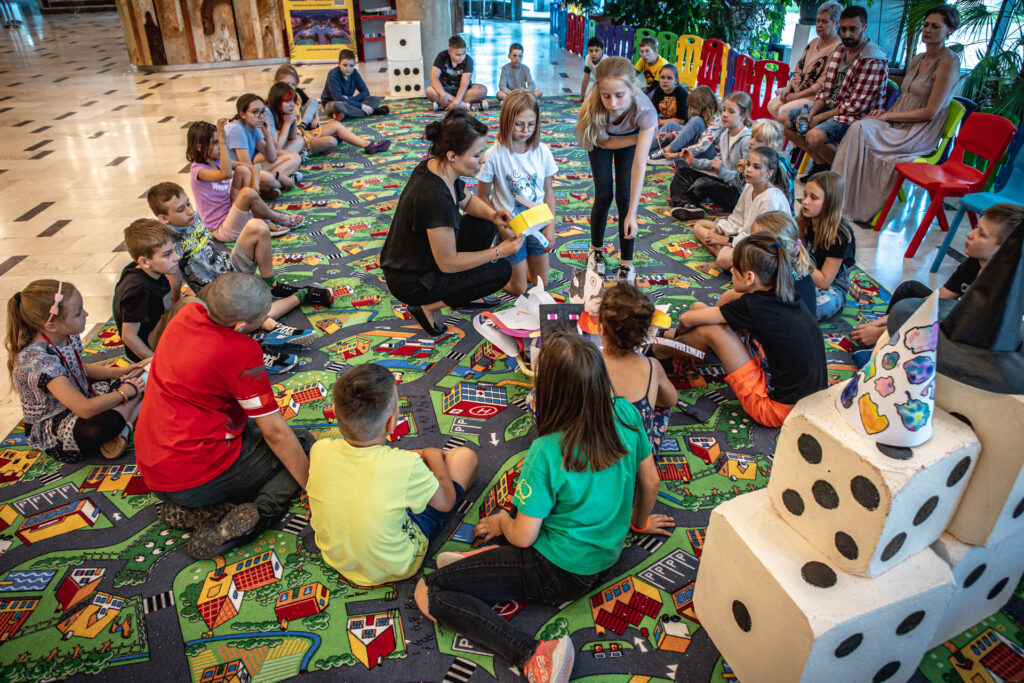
213 199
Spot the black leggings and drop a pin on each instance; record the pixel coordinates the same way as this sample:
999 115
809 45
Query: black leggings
690 186
454 289
911 289
602 162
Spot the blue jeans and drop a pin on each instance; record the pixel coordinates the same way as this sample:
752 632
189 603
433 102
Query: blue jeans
832 129
461 595
431 520
830 301
687 134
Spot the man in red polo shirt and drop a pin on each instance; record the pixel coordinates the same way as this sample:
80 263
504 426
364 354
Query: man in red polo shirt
210 440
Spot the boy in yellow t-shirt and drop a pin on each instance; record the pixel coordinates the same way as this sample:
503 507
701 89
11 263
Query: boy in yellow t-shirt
650 63
374 508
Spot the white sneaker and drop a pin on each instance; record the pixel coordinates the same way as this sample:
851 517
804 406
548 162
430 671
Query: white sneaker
436 106
595 261
626 273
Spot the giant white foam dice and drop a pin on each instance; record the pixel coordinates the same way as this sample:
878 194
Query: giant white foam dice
779 611
402 41
984 576
993 504
405 79
864 505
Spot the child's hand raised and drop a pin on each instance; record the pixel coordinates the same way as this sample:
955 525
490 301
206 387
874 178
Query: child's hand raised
221 122
490 527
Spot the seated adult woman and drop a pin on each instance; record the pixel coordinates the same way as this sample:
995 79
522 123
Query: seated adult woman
434 255
869 152
809 75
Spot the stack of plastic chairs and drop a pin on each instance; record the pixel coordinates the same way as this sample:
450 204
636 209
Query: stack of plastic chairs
574 33
639 35
688 51
667 45
713 61
741 75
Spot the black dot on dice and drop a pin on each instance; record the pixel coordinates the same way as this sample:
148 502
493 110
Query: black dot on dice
998 588
1019 510
974 575
406 72
818 574
893 546
895 452
741 615
416 70
849 645
910 623
846 546
793 502
398 71
402 42
958 471
864 492
809 448
963 418
886 672
926 510
825 495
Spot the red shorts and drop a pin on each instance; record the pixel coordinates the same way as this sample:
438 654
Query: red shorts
751 388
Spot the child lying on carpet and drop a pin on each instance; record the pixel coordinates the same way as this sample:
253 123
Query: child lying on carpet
72 410
374 508
625 316
589 477
995 224
794 355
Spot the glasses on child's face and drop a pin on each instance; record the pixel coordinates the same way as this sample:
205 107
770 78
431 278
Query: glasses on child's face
257 112
523 126
57 298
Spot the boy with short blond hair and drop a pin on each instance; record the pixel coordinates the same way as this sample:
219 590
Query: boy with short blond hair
374 508
451 80
515 75
143 292
345 91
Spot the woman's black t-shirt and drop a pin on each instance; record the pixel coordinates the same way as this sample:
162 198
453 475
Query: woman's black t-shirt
425 203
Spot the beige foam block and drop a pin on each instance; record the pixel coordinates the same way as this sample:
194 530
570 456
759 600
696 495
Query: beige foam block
779 611
864 505
992 507
984 576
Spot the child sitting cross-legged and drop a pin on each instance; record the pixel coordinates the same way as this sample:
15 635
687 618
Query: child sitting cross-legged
768 133
765 190
698 134
72 410
794 355
374 508
829 238
626 314
589 477
515 75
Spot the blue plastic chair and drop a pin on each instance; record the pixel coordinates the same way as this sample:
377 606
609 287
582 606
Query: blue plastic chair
1009 187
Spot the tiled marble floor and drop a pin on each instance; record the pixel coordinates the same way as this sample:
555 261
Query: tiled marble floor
82 136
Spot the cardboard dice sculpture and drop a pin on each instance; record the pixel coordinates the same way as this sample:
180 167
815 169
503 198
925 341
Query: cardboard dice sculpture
780 611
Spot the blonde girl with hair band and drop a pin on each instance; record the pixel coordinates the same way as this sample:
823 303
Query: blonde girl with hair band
518 174
829 239
72 410
615 121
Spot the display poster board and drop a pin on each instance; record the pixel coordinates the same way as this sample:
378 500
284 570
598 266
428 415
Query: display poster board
318 29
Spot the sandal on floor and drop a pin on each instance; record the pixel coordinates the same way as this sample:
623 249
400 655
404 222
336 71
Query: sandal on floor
291 220
114 448
277 230
419 316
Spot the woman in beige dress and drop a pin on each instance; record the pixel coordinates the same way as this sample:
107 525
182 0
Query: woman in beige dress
869 152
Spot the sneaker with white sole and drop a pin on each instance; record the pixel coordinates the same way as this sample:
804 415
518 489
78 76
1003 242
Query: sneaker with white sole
286 334
551 662
595 261
690 212
436 106
626 273
479 106
450 557
277 362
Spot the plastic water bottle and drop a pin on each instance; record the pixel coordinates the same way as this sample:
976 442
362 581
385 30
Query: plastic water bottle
803 121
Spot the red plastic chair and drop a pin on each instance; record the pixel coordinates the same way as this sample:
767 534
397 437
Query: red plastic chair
986 136
742 74
711 65
574 33
769 76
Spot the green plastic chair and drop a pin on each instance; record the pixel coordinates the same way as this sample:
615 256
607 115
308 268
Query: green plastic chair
667 45
640 34
954 115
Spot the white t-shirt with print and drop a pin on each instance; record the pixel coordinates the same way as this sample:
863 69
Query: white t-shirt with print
517 174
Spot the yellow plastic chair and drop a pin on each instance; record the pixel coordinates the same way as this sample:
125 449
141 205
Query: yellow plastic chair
725 70
688 50
954 116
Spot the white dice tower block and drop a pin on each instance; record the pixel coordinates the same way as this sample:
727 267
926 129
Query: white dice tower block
984 577
864 505
779 611
402 41
405 79
992 508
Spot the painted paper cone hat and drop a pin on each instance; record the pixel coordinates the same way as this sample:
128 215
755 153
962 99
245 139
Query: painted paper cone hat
980 341
891 400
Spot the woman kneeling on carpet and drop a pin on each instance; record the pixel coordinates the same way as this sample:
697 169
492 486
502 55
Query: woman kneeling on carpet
588 478
436 255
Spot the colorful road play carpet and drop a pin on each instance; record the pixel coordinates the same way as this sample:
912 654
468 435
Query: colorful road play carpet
91 583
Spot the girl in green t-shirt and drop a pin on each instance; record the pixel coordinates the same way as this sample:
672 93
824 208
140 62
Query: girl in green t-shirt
575 501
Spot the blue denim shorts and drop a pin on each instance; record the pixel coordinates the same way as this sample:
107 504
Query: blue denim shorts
431 519
832 129
531 247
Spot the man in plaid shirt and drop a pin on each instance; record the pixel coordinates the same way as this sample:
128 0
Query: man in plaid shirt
855 81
